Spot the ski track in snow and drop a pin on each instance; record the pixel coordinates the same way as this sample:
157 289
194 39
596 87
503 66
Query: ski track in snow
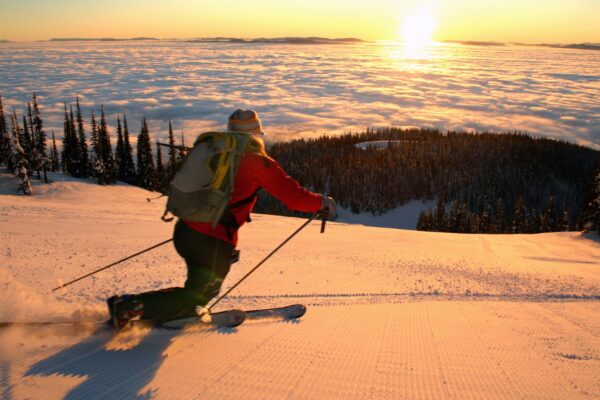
392 314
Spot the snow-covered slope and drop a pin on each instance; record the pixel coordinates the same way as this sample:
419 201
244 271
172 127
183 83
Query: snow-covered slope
391 313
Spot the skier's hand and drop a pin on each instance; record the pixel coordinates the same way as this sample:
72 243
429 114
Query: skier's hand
328 209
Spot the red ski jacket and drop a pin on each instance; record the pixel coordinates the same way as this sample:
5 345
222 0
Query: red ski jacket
257 172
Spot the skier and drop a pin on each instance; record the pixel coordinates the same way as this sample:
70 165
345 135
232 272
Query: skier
207 250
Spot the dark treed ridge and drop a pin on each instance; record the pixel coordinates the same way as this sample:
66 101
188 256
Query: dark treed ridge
477 176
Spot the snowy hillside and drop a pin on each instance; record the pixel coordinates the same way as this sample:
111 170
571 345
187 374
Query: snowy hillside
392 314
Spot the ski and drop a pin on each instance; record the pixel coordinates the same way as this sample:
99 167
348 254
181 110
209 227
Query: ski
233 318
293 311
222 319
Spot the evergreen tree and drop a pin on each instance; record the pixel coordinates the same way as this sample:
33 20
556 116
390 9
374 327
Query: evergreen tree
476 225
130 172
485 220
161 175
425 222
454 218
440 215
66 147
106 148
41 160
548 218
120 153
592 213
172 149
145 164
25 140
97 160
183 151
500 222
19 160
519 222
175 157
71 152
421 223
55 163
76 153
86 168
564 223
4 135
534 222
32 151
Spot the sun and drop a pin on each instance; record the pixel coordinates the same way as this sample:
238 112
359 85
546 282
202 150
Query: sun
417 27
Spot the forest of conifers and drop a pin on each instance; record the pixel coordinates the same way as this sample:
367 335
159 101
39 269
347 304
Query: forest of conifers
482 182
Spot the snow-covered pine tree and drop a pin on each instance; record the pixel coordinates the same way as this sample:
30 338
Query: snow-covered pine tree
2 132
41 161
66 146
120 153
19 160
145 164
75 147
107 153
12 139
130 173
25 140
32 155
97 161
54 161
85 166
32 152
4 137
71 151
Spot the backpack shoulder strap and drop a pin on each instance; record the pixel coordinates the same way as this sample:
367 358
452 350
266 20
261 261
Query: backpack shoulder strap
228 219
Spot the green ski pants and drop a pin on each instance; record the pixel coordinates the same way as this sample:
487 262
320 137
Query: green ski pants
208 261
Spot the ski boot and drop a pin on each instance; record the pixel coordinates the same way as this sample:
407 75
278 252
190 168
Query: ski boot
124 309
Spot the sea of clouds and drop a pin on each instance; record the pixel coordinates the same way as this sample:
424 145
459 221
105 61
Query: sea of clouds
310 90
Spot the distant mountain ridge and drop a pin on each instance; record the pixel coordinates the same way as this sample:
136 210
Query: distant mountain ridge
578 46
281 40
101 39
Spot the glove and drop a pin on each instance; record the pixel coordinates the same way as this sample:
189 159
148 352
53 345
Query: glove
328 208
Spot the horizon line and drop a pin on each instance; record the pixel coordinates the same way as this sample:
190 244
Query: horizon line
226 39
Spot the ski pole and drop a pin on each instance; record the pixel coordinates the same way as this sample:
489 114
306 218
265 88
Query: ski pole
263 261
112 265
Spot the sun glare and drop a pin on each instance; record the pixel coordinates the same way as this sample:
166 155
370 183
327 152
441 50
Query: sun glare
416 28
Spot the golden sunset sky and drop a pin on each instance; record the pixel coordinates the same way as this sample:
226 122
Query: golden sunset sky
549 21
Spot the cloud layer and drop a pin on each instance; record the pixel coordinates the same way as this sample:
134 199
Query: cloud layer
311 90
